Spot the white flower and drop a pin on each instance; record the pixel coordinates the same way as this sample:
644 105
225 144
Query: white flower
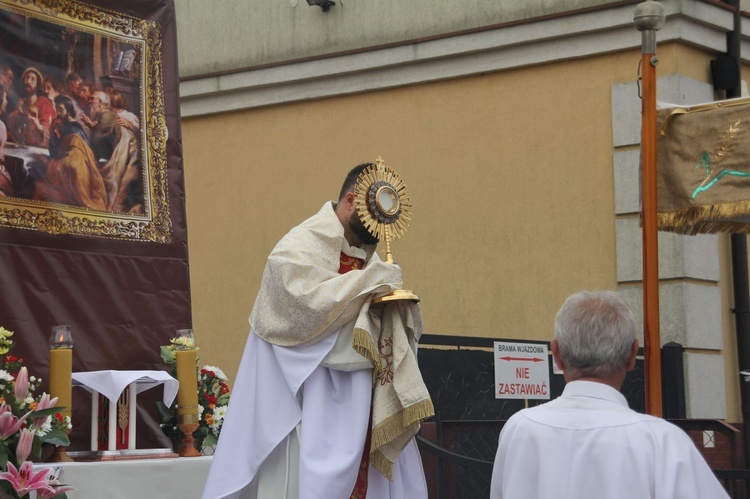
32 379
45 428
28 400
219 413
5 375
200 410
4 333
218 372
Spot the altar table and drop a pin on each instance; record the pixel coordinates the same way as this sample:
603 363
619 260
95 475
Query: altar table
179 478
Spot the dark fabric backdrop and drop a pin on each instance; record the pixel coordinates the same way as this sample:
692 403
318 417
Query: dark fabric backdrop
123 299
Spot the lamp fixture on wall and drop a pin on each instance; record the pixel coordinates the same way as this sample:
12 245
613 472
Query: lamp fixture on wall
323 4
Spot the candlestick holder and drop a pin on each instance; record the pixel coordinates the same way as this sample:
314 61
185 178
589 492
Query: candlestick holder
188 441
60 455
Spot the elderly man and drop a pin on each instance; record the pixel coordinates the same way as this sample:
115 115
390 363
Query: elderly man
305 421
587 443
105 132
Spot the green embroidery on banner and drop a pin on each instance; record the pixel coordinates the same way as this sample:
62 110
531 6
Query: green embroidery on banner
704 162
718 177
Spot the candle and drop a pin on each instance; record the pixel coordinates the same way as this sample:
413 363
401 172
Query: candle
61 368
187 394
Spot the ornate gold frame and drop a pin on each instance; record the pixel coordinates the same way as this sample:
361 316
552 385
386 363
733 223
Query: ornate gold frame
154 224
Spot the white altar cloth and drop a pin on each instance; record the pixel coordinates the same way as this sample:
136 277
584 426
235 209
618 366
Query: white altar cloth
181 478
112 384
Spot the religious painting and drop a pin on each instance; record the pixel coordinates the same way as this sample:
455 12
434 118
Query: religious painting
82 124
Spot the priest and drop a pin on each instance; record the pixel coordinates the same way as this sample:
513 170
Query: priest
328 397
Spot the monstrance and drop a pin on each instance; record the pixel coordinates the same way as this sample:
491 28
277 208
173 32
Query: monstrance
384 207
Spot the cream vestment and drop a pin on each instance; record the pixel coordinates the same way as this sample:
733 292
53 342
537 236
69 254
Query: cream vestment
297 421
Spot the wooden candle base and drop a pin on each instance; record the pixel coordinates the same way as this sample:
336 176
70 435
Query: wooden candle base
60 455
188 448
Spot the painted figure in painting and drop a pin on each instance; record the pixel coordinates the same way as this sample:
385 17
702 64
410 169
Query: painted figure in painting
72 176
30 122
122 171
105 132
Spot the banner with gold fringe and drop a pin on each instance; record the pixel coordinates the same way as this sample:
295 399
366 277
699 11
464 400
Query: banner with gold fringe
703 168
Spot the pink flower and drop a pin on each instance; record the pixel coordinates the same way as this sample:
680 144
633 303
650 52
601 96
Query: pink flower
22 384
25 480
23 449
44 403
45 494
9 424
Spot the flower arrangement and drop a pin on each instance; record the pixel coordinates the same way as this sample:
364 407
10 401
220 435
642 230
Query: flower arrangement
213 398
26 422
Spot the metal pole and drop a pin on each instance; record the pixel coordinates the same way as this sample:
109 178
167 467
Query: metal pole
649 18
740 283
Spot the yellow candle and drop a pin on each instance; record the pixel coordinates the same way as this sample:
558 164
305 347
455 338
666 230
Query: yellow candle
187 394
61 377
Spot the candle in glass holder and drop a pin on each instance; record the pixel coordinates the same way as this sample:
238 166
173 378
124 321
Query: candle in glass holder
186 357
61 367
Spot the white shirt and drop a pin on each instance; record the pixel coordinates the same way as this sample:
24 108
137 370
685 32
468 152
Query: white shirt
587 443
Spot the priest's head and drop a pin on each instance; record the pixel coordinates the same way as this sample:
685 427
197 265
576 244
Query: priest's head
595 338
354 230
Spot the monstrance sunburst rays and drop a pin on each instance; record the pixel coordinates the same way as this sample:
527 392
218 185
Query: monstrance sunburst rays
383 202
384 207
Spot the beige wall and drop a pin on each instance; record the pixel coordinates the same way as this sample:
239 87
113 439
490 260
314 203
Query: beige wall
511 171
510 174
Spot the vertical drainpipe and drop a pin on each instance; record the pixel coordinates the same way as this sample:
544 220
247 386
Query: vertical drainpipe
739 262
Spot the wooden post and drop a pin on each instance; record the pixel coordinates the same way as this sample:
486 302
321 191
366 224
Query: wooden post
649 17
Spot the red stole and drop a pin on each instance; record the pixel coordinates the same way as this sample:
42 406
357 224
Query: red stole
346 264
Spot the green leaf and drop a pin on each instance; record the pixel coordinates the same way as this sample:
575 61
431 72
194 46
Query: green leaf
210 439
165 413
56 437
4 454
46 412
222 400
167 354
36 447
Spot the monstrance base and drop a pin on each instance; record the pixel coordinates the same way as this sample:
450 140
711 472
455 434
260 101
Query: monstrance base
396 294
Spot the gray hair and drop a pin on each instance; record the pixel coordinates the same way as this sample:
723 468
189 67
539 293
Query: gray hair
103 97
595 331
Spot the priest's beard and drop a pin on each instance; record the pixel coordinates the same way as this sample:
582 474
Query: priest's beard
359 229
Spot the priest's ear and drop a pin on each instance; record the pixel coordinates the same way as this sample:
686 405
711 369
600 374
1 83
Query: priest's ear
349 201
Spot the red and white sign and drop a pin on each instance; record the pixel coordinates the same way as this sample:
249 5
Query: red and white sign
521 371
